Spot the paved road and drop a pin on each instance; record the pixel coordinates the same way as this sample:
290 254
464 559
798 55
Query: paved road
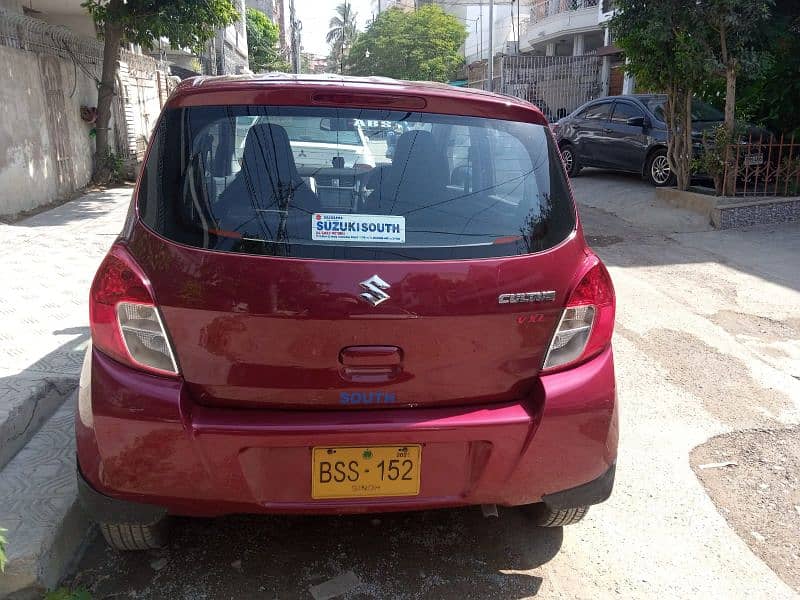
700 351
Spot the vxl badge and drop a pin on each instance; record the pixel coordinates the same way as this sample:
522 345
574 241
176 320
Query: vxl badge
374 293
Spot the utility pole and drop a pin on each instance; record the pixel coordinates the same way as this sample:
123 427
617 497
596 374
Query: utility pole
295 27
481 34
491 45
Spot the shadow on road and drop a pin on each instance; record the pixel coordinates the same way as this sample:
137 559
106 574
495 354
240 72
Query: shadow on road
84 206
630 227
433 554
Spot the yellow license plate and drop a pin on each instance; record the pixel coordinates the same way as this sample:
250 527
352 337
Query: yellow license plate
365 472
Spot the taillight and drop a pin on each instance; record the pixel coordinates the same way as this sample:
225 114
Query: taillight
124 318
587 322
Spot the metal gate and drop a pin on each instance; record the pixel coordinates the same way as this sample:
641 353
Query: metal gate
556 84
57 126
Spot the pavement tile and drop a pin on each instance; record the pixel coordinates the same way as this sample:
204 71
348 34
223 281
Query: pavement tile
47 263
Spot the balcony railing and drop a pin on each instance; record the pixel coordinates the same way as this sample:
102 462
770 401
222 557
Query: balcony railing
542 9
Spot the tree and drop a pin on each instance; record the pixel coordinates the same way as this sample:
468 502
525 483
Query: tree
666 52
419 45
186 23
262 43
342 33
734 28
769 95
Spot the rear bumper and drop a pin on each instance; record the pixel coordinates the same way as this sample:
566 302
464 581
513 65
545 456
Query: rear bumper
142 440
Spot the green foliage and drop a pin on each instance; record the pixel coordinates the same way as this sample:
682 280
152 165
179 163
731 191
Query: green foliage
65 594
262 43
3 549
666 53
660 43
419 45
733 30
716 156
767 92
769 96
186 23
116 167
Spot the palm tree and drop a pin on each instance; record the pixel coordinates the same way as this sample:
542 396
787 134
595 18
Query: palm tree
342 32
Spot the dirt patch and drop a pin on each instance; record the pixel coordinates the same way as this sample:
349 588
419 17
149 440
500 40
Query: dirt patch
603 241
721 381
756 326
759 495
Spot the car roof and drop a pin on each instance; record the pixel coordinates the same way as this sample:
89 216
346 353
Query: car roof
639 97
364 92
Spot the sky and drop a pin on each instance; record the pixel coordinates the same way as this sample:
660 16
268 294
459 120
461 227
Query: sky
315 15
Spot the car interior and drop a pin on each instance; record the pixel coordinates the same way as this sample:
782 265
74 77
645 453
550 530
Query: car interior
449 181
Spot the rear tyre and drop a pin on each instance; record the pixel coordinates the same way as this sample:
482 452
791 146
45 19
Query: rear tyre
571 163
658 171
133 536
546 516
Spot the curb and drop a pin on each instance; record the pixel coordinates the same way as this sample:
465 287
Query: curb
32 402
47 529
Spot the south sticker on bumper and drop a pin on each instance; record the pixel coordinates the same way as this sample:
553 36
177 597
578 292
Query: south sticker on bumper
330 227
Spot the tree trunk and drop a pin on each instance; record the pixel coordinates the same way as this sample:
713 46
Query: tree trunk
729 185
679 141
684 174
112 41
730 97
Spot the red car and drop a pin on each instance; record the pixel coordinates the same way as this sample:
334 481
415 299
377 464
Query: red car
275 336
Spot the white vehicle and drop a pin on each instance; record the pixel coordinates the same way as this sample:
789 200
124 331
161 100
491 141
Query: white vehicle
332 155
313 147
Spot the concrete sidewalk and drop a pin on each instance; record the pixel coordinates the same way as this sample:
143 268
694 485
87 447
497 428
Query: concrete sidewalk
47 262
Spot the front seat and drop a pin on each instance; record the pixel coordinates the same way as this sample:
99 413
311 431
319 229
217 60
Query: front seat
267 198
418 175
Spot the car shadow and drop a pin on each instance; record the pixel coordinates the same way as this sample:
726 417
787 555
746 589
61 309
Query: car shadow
431 554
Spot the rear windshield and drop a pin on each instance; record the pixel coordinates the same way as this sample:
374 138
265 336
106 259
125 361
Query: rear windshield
354 184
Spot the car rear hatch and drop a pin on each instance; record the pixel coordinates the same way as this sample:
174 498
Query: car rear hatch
443 284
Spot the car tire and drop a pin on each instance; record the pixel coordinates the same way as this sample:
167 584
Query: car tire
547 516
134 536
570 158
657 171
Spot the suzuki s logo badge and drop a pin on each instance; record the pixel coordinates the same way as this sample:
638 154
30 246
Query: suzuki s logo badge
374 293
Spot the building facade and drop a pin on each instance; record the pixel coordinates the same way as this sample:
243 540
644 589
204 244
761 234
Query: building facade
265 6
51 60
378 6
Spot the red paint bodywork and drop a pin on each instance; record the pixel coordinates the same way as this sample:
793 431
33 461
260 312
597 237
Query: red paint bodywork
264 345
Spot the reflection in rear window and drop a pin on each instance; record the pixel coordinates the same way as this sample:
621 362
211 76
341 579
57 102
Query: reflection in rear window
354 184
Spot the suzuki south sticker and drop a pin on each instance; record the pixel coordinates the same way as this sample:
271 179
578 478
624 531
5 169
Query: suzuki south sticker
330 227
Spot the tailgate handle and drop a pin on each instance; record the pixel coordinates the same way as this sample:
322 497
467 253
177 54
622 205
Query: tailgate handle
371 364
371 356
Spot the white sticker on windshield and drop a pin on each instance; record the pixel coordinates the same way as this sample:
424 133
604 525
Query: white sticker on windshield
331 227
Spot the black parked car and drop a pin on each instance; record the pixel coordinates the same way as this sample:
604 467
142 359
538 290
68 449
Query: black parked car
628 133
